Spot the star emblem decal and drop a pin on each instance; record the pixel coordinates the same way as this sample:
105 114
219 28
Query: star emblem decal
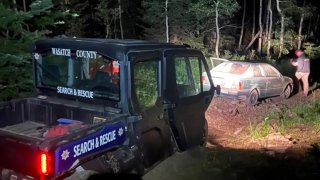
65 154
120 132
36 56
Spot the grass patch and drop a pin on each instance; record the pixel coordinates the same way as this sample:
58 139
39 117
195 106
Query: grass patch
284 119
260 130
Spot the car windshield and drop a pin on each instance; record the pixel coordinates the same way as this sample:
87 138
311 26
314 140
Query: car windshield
232 67
78 73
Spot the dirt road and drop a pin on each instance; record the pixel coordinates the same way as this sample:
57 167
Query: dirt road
183 166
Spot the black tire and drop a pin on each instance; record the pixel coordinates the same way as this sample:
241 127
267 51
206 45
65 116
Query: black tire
253 98
287 92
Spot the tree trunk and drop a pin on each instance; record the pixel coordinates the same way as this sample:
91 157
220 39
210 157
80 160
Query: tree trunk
252 41
270 27
261 28
115 22
242 23
167 22
267 22
120 19
282 28
253 20
107 25
217 30
24 6
316 24
14 3
300 25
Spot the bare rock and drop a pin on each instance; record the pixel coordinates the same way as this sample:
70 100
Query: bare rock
238 131
277 142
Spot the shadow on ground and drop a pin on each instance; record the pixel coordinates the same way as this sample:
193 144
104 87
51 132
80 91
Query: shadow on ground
236 164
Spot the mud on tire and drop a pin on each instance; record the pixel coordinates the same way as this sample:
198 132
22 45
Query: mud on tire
253 98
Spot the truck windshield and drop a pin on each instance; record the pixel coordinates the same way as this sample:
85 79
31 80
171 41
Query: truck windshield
78 73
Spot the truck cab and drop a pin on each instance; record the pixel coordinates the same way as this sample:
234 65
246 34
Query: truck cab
106 105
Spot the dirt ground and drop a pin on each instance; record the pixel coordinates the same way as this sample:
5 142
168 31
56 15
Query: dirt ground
237 155
229 124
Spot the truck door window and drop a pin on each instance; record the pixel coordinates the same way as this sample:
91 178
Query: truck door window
204 78
145 82
188 76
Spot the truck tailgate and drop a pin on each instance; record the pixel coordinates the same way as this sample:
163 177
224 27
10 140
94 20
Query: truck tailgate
20 154
22 144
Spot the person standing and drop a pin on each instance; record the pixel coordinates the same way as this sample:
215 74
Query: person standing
303 69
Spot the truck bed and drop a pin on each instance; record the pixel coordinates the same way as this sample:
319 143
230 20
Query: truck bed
32 117
27 128
32 125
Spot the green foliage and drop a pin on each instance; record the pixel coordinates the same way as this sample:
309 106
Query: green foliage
41 6
145 83
312 50
284 119
260 130
232 56
17 24
79 24
205 14
154 18
308 113
15 73
16 35
204 9
180 67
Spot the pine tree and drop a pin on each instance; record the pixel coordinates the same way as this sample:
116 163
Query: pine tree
16 34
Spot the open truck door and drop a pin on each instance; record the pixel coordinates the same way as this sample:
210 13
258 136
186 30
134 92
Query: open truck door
185 98
146 76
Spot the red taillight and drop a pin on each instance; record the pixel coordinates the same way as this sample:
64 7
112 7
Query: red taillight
45 163
239 85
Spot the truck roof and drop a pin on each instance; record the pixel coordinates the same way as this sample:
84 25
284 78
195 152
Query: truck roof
108 47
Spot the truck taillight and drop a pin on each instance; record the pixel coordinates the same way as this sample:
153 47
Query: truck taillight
44 163
203 78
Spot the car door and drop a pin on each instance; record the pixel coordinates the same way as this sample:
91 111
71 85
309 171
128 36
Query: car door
274 80
155 135
185 98
259 81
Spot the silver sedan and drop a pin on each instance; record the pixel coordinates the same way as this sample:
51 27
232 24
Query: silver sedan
248 81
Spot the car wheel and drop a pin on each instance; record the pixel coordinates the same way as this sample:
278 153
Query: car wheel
287 92
253 98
